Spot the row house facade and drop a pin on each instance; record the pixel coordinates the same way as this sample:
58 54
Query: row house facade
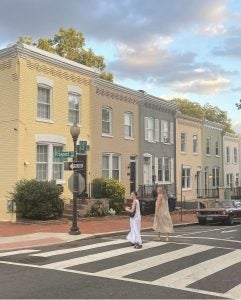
157 141
41 96
189 168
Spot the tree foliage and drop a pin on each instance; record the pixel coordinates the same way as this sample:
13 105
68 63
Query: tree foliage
70 43
209 112
238 104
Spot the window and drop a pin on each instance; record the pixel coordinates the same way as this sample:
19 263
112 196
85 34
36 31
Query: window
74 108
235 155
44 103
149 129
186 177
111 166
215 177
194 143
42 162
128 124
164 169
229 179
48 167
183 141
227 154
208 151
165 131
217 151
106 120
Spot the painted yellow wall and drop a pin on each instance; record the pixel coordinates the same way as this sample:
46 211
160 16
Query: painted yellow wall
188 158
9 128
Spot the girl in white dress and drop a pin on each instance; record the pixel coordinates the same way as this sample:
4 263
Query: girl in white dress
134 235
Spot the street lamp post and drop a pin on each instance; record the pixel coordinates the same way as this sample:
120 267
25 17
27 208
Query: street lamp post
74 230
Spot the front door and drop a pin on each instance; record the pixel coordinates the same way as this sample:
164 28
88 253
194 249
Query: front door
199 193
132 176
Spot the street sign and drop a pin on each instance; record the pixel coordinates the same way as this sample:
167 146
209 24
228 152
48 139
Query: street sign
71 166
82 147
64 154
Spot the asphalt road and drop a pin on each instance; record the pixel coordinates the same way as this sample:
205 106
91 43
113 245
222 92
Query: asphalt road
200 262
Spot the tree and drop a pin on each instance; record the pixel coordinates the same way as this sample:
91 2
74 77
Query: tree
70 43
238 104
209 112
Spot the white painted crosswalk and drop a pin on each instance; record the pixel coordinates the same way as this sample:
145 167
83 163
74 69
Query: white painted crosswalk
114 259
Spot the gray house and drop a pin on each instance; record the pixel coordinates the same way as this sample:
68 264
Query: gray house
157 142
212 156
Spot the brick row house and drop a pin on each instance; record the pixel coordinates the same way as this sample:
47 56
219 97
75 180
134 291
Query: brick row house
132 136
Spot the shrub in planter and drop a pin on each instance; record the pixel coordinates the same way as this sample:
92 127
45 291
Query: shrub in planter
39 200
115 191
98 209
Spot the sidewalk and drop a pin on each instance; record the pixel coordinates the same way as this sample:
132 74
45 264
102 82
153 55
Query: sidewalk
17 236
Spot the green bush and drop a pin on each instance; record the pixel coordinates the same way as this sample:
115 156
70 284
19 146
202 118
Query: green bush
98 188
115 191
98 209
39 200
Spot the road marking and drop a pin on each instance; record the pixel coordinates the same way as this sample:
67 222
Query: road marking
153 261
206 238
17 252
99 256
234 293
187 276
80 248
227 231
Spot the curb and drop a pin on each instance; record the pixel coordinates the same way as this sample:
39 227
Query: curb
115 233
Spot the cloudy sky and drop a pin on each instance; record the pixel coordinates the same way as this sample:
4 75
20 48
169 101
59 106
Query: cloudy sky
175 48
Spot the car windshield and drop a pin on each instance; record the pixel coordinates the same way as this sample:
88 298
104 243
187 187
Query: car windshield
225 204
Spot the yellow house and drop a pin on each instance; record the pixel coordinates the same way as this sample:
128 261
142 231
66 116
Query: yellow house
115 133
41 96
188 157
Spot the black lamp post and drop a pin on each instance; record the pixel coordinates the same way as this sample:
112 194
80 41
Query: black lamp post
74 230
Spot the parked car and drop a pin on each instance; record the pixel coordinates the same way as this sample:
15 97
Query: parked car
227 212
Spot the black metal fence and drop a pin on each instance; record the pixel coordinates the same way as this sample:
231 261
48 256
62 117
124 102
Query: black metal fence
208 193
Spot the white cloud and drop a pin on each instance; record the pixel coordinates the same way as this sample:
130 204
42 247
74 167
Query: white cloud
213 30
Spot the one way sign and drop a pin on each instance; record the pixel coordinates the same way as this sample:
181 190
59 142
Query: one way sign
71 166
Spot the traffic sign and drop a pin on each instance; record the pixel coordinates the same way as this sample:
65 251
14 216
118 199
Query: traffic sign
64 154
71 166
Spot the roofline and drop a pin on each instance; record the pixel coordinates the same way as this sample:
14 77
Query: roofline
189 118
26 50
157 100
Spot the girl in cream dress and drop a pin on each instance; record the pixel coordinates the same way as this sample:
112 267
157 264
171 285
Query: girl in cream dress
162 219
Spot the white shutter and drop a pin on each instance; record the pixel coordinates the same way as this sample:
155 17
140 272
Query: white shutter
172 170
157 130
171 132
146 129
162 131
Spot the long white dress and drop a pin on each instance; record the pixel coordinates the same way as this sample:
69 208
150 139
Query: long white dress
162 219
134 236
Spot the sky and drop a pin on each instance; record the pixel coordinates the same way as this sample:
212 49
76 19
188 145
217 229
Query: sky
177 48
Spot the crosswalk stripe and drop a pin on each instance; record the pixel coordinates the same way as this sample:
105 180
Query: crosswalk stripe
80 248
99 256
234 293
17 252
192 274
149 262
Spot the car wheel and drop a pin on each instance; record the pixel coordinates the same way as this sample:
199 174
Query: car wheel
202 222
230 220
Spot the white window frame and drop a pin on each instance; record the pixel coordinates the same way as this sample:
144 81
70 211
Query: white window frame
128 128
195 144
215 182
50 161
150 129
50 91
109 109
208 146
165 132
186 178
110 164
183 142
161 170
229 180
77 111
